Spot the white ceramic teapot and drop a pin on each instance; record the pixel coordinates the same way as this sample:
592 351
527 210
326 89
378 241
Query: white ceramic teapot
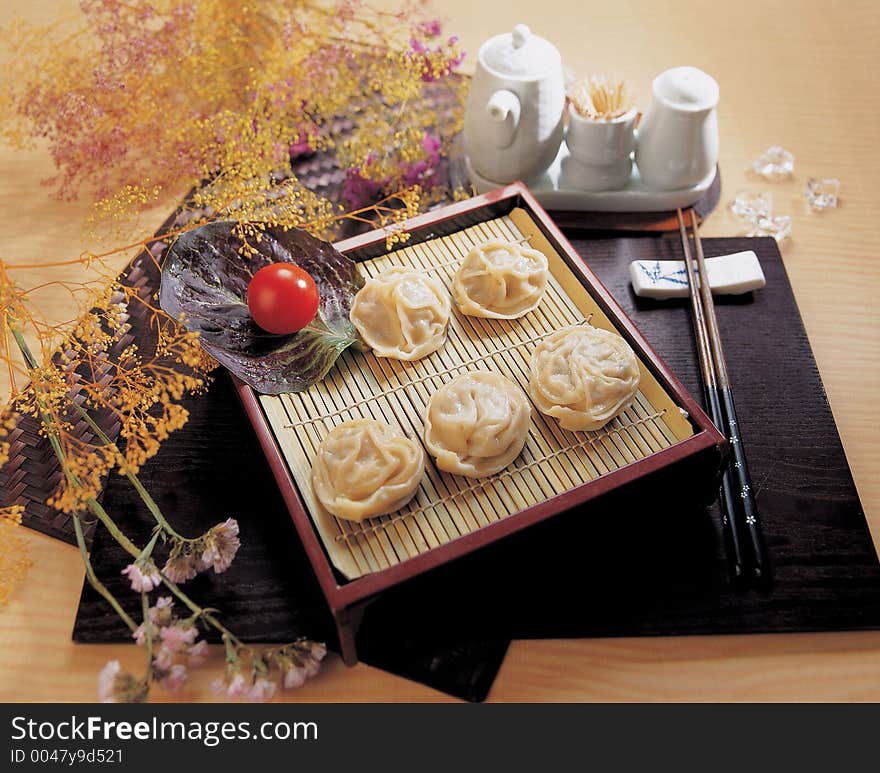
513 121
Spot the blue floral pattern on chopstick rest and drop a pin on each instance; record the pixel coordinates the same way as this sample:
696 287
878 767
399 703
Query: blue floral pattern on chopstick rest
732 274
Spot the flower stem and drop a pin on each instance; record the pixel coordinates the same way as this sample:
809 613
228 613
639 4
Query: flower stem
202 613
22 345
117 534
148 636
104 517
93 578
135 552
148 550
132 477
77 524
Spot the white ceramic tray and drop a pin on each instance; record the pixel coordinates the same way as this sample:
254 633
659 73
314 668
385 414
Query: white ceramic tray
555 192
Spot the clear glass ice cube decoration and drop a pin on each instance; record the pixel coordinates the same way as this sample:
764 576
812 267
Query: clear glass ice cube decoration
775 163
822 194
750 205
779 227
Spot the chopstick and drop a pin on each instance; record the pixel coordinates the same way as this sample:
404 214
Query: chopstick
713 403
738 507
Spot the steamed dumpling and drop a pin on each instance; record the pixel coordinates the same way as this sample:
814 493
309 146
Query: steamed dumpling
365 468
583 376
477 424
402 313
501 280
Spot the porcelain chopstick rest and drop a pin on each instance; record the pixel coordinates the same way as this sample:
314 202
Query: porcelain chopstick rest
733 274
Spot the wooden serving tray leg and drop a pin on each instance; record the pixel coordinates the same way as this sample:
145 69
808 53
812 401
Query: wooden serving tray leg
348 622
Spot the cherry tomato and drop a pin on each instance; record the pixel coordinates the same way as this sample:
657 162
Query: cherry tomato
282 298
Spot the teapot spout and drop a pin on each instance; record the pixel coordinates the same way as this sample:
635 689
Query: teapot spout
503 111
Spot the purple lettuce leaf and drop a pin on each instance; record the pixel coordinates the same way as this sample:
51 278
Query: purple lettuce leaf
205 279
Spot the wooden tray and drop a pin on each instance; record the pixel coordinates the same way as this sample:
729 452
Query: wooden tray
452 516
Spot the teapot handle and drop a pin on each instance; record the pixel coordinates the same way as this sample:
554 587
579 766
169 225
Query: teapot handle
503 110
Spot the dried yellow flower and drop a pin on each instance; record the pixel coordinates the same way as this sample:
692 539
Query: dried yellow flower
145 101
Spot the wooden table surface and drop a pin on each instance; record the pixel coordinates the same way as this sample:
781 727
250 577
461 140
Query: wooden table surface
799 74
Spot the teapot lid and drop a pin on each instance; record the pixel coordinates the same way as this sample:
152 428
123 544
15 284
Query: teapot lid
519 53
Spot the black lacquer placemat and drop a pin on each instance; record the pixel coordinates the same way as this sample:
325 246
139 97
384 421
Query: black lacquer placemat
621 567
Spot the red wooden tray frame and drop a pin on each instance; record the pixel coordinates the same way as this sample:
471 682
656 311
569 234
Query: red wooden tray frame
348 599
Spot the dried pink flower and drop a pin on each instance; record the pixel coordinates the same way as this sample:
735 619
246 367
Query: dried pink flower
261 690
106 682
431 28
312 661
295 676
180 567
140 634
300 661
143 575
301 146
236 687
439 61
174 678
163 658
118 686
359 189
345 11
161 613
178 637
198 652
215 549
311 666
221 544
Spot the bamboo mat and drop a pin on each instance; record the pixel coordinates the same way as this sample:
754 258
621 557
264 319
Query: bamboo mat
448 506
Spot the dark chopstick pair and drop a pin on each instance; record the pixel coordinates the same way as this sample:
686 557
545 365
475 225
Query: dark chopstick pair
739 512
